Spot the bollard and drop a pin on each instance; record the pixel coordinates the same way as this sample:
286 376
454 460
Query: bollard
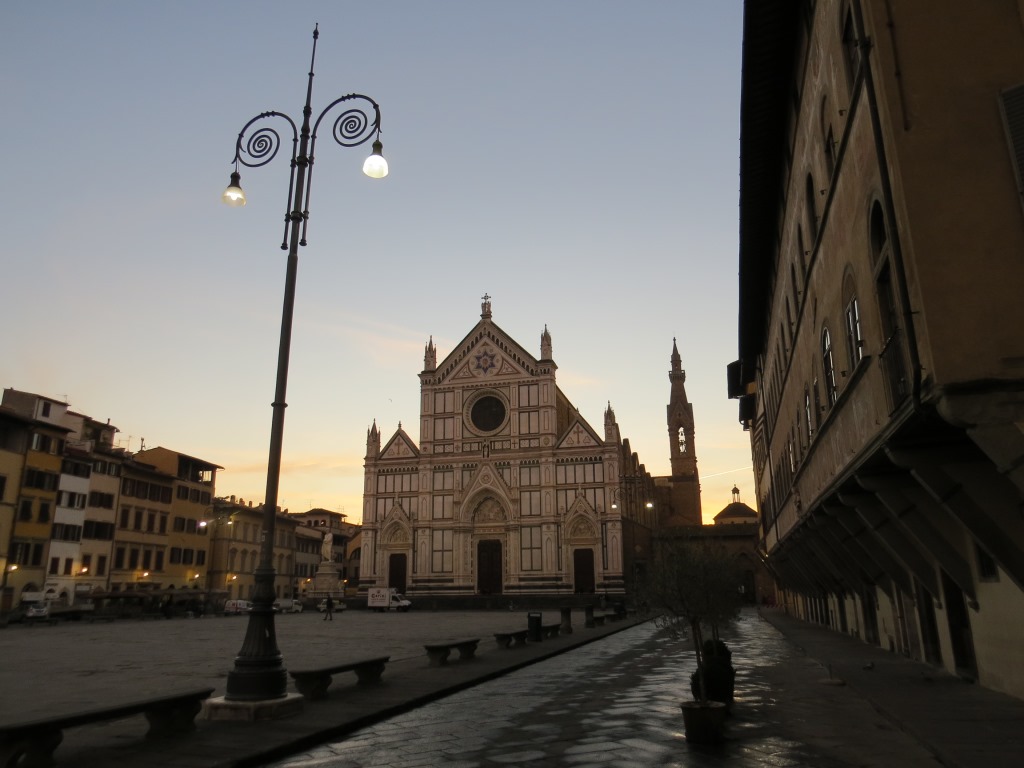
533 624
566 626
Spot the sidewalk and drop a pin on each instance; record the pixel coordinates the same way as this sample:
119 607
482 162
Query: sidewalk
784 697
76 665
963 725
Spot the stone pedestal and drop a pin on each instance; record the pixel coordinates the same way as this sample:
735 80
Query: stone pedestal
327 581
220 708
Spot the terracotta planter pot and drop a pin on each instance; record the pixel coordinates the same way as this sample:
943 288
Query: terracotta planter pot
703 722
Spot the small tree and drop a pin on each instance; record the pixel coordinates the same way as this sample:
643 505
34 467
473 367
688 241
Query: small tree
693 585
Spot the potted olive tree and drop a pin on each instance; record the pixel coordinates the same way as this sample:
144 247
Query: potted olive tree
694 587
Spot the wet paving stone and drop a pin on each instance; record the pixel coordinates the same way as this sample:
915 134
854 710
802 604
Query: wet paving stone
615 703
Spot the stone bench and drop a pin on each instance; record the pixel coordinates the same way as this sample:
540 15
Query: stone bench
511 639
313 682
551 630
31 743
438 652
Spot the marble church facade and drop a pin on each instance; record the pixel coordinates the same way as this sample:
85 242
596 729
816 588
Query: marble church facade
509 490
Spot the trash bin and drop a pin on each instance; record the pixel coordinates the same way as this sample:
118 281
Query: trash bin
533 625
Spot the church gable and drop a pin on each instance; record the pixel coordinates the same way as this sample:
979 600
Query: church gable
400 446
580 523
486 478
487 353
579 435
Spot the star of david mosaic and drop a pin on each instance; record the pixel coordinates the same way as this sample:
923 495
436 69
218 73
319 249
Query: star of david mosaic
485 361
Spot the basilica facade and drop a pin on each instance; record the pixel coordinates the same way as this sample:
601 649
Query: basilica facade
509 490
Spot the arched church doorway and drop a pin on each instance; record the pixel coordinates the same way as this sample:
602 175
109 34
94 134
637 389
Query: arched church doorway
397 571
583 571
489 567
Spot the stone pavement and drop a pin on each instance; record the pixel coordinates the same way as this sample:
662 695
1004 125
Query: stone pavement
613 702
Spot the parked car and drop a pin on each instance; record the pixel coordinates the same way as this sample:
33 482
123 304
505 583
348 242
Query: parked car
236 607
37 611
338 605
287 605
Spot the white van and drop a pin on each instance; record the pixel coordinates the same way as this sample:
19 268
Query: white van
386 599
236 607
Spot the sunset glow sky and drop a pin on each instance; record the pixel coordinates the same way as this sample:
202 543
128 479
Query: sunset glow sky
576 160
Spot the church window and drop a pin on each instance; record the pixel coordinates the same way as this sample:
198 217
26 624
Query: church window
488 413
530 538
529 503
443 506
442 551
681 436
444 479
575 474
403 482
444 402
529 474
529 395
529 422
444 429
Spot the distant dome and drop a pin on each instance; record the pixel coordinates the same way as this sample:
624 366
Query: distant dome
737 512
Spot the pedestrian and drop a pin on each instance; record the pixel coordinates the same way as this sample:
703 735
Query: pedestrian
329 609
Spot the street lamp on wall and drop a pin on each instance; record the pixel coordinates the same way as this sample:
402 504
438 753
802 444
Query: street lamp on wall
259 673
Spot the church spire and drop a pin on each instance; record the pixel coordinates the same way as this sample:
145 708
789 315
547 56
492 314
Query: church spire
545 344
372 441
682 450
429 357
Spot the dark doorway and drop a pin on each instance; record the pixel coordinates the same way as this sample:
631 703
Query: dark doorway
870 616
929 626
489 568
397 570
583 571
959 628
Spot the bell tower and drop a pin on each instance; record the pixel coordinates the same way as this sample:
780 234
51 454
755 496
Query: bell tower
684 482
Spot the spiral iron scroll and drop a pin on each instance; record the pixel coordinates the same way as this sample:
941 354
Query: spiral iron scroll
354 126
261 148
262 145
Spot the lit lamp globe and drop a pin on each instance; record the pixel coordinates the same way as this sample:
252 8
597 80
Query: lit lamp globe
376 167
233 195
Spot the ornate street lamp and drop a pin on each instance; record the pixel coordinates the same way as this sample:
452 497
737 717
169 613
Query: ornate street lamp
258 673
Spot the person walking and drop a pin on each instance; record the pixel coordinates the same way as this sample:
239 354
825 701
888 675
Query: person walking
329 609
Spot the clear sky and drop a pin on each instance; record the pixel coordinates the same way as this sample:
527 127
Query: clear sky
577 160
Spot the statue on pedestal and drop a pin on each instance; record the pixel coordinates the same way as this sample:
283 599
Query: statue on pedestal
327 547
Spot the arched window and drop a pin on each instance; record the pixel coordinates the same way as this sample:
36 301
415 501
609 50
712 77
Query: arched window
828 142
812 211
828 367
879 233
801 250
851 55
854 336
808 416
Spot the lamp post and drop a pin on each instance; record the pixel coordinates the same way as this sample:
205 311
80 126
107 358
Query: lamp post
258 673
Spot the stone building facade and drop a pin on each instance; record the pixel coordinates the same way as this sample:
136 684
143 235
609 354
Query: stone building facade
509 491
881 359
